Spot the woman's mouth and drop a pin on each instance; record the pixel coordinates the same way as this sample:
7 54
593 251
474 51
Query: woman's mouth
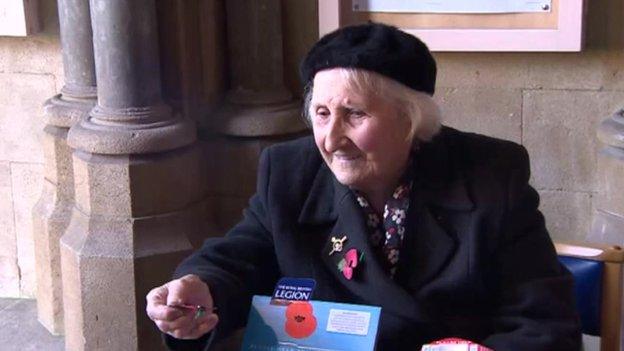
345 157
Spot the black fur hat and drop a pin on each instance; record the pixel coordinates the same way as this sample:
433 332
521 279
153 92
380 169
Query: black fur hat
374 47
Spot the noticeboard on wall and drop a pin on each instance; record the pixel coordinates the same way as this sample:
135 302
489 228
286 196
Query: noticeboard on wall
469 25
18 17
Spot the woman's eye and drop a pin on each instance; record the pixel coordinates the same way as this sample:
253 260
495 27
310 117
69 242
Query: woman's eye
358 113
321 113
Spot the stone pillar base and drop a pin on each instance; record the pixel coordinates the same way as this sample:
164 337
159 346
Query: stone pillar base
64 111
260 120
50 218
115 138
134 220
52 212
108 269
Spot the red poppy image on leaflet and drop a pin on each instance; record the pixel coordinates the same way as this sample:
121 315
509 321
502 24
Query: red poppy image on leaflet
300 320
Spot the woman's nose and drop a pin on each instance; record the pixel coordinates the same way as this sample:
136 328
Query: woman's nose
335 137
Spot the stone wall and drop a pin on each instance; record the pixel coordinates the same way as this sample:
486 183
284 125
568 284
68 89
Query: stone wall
552 103
30 72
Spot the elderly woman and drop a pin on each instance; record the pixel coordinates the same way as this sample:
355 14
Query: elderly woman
452 240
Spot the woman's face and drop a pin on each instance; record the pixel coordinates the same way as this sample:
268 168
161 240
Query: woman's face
361 135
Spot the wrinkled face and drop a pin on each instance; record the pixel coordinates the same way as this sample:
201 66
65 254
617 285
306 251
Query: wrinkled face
361 135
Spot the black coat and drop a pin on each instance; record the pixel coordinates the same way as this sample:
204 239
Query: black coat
477 261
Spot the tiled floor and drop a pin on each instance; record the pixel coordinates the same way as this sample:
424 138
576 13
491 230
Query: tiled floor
20 330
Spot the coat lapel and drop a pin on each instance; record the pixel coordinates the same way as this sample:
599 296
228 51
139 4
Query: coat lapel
439 188
427 248
370 282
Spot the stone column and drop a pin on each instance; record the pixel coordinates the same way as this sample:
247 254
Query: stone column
52 213
258 103
139 191
608 219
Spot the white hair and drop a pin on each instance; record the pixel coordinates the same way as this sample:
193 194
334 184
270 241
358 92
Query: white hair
422 111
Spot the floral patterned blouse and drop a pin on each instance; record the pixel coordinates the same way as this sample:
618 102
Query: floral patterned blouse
387 236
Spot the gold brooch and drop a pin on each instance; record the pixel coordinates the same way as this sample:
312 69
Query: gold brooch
337 244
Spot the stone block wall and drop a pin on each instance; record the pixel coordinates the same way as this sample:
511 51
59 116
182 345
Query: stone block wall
552 103
30 72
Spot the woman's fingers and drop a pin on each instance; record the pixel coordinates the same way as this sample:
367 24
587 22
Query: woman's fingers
189 289
195 330
183 324
172 308
157 308
204 327
164 313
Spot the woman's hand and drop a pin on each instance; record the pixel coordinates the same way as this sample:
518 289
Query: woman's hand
164 307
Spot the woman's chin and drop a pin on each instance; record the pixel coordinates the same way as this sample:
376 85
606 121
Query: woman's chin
352 181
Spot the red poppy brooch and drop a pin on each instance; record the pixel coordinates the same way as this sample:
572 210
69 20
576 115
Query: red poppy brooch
349 262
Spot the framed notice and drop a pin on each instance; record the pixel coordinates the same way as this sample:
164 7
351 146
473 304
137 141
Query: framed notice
469 25
18 17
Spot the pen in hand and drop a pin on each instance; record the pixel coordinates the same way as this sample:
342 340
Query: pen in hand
199 309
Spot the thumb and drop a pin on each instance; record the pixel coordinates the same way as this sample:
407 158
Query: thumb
156 305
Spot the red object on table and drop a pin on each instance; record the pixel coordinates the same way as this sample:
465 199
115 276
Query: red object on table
454 344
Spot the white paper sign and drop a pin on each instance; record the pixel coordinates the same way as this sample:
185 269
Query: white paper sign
18 17
348 322
453 6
